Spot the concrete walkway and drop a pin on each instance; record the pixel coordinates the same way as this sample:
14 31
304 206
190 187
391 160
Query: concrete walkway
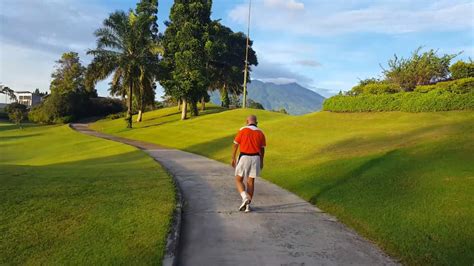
283 229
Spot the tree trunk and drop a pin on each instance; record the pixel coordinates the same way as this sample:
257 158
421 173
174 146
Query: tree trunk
184 109
194 108
179 104
203 104
129 111
140 115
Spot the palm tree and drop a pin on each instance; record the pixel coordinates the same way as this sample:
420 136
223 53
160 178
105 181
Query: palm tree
125 48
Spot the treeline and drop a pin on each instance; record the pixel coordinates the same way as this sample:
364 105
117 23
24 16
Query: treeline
422 83
195 55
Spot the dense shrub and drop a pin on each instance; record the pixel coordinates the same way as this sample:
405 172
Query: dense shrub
376 87
105 106
61 108
459 86
17 112
431 101
117 115
59 105
462 69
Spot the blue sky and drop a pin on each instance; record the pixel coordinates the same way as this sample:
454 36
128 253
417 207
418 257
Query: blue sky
324 45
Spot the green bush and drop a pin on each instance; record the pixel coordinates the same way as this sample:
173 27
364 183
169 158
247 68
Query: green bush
432 101
59 108
373 86
117 115
459 86
462 69
17 112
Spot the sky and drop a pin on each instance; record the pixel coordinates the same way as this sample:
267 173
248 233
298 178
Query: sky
324 45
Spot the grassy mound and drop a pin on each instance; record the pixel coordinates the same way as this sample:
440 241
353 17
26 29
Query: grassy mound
70 198
404 180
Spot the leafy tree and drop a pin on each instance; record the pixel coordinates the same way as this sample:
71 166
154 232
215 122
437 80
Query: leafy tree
462 69
283 111
38 92
69 75
8 92
254 105
127 47
16 112
226 60
185 57
419 69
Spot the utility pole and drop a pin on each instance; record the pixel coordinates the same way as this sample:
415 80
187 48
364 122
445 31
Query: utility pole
244 104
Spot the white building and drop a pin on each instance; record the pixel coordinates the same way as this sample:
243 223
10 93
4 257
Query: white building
28 98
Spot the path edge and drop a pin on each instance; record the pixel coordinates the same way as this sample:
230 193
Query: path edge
170 258
171 255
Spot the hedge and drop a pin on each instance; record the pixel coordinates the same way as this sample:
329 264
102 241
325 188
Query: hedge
460 86
431 101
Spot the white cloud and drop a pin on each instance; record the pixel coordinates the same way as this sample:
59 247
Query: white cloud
287 4
339 17
279 80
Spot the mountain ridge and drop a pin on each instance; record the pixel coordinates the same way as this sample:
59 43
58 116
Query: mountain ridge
293 97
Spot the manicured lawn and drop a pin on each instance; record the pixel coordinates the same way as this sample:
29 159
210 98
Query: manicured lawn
404 180
67 198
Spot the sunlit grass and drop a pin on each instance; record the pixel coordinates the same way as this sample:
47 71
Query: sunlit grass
404 180
67 198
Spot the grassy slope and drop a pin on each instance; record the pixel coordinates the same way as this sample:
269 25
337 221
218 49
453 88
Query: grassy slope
404 180
67 197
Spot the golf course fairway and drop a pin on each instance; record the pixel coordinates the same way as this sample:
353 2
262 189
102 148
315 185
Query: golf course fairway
68 198
403 180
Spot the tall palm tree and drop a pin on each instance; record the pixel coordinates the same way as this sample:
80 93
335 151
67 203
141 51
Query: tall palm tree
126 49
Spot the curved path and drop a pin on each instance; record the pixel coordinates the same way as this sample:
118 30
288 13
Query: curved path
283 229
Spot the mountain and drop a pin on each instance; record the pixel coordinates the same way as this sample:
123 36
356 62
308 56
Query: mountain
293 97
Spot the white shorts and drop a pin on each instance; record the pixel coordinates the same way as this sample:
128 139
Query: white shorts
248 166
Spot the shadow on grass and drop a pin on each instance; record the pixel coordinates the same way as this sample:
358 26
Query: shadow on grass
13 126
211 147
6 138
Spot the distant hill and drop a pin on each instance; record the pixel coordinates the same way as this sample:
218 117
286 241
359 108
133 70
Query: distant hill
293 97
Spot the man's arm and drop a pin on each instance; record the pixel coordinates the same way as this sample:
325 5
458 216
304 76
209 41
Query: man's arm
262 154
234 154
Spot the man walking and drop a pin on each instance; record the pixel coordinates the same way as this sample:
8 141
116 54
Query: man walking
251 142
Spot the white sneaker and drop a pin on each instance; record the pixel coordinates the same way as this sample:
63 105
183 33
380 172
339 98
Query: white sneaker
247 208
244 204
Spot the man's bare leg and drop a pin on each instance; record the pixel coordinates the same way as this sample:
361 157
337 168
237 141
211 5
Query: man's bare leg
241 188
250 186
239 183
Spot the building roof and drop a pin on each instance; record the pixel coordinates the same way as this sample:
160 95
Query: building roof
22 91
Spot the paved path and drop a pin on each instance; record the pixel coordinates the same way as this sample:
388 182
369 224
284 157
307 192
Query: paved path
282 230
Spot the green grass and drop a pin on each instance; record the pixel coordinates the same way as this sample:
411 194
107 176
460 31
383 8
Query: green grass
404 180
67 198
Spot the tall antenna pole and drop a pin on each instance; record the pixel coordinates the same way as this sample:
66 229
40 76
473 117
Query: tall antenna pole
244 104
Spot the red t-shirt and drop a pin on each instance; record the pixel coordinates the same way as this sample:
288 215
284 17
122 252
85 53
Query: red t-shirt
251 139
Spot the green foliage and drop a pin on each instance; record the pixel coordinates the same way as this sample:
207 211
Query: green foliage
184 63
16 112
69 75
127 46
225 68
283 111
372 86
254 105
459 86
419 69
9 92
462 69
432 101
60 108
